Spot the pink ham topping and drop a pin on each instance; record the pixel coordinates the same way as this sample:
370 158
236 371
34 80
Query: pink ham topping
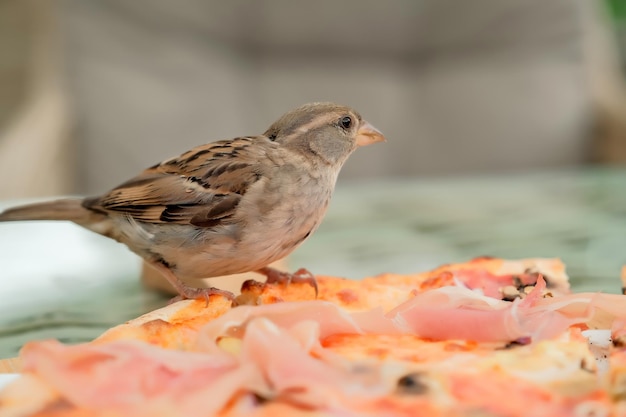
446 313
126 375
281 356
460 313
281 363
490 284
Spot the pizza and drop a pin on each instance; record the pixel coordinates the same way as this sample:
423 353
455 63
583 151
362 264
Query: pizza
489 337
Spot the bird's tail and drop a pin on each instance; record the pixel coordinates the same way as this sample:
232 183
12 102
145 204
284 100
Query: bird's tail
65 209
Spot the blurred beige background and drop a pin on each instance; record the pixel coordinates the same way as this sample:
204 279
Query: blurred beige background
94 91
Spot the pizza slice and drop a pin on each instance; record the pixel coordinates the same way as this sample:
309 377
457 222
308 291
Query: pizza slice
487 337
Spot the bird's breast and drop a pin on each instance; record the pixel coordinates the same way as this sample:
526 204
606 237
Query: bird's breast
272 219
280 215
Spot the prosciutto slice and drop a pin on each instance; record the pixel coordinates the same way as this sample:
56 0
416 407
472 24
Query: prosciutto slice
446 313
134 378
491 284
331 319
456 312
280 354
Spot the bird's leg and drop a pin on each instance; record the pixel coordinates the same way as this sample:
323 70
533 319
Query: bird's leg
274 276
185 291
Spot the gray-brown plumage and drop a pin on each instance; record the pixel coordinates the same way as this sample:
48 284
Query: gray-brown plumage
226 207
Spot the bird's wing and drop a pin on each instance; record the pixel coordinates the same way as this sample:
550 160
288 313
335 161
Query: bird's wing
201 187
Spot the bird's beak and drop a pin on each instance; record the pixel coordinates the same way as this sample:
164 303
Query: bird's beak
368 134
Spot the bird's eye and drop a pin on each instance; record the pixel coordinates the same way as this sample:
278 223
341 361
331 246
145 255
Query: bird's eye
346 122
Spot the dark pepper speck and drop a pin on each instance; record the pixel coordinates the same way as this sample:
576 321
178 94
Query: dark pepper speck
412 384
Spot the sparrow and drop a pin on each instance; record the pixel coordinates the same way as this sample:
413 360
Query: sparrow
227 207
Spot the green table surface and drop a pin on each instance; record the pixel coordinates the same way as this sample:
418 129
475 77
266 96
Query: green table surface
60 281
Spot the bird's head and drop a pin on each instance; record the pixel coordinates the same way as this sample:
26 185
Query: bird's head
327 131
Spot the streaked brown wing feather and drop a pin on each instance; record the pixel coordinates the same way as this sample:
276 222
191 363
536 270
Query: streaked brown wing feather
201 187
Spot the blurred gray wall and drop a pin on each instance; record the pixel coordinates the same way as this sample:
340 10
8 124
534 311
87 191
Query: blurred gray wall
36 149
457 87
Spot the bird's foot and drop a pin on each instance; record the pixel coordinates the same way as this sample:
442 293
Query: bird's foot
185 291
191 293
274 276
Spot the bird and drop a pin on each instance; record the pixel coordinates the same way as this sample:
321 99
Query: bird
226 207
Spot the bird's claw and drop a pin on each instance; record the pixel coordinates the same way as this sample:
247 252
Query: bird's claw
274 276
190 293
